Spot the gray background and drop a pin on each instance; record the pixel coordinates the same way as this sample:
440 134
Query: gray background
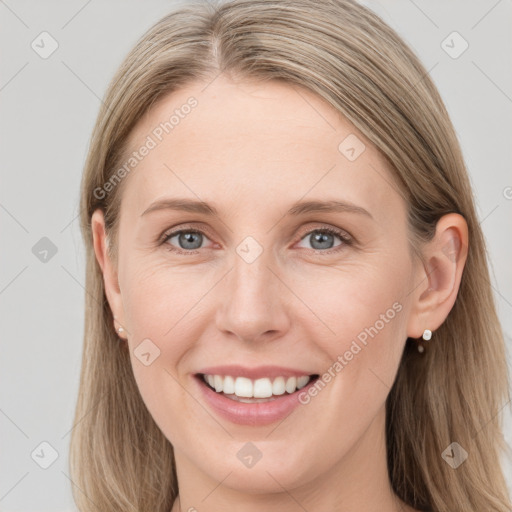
48 107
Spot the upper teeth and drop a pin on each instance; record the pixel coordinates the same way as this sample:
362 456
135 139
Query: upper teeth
259 388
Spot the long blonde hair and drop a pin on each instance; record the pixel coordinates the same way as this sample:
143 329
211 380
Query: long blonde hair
453 392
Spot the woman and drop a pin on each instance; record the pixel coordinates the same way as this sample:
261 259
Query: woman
288 298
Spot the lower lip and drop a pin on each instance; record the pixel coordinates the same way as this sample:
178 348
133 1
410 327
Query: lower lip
263 413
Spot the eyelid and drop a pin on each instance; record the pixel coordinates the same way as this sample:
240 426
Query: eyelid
342 233
182 227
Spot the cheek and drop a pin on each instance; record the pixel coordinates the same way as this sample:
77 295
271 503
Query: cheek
167 309
360 333
348 299
157 297
360 318
159 317
158 304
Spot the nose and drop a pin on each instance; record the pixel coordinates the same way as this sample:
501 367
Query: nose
253 301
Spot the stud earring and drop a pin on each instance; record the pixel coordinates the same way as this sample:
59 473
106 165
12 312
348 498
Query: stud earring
119 330
427 334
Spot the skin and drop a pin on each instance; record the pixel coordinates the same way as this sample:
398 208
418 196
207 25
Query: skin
252 150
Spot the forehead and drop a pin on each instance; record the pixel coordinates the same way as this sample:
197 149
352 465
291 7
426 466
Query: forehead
245 145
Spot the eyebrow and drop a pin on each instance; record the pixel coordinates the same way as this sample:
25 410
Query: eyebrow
299 208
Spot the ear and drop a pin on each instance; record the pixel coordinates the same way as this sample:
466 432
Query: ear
439 275
109 270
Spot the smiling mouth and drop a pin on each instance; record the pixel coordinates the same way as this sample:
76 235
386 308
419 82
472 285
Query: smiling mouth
241 389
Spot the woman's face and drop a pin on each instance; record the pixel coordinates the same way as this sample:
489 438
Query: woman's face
262 283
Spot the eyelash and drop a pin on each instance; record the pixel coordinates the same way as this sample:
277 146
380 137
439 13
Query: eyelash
343 236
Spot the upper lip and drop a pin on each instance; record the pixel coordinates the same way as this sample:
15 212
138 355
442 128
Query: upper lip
257 372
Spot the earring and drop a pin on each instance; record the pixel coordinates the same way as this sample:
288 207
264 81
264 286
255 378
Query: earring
427 334
119 330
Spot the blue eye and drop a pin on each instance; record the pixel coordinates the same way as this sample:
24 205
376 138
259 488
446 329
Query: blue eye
323 238
190 240
187 239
